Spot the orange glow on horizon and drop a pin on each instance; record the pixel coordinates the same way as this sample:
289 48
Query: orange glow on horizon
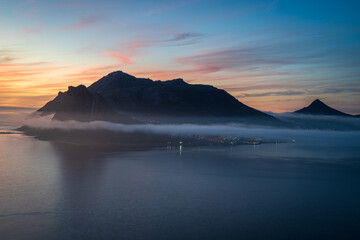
32 85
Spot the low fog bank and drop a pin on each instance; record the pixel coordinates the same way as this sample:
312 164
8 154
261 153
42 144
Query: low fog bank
12 117
239 130
320 121
316 117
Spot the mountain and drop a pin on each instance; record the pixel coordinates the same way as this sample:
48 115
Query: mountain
317 107
173 97
78 103
118 96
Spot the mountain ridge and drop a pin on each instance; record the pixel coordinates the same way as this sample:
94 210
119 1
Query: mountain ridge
173 97
120 97
119 93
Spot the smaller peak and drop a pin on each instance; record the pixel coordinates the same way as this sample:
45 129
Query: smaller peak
176 81
81 89
77 89
317 102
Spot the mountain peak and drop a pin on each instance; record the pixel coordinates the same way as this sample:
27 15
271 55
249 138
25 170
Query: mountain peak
119 74
116 80
317 107
319 103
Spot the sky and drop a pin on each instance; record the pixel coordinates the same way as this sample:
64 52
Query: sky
273 55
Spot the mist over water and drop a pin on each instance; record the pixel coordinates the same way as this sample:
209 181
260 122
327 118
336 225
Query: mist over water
11 118
235 129
302 189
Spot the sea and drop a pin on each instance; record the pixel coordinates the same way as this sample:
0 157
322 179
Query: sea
306 188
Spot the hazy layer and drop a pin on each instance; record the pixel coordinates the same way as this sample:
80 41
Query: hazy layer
216 129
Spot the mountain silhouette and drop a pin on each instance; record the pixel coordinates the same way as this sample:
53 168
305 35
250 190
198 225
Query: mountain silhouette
118 96
174 97
78 103
317 107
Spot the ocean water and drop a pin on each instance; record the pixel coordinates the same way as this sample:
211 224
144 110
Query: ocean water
307 189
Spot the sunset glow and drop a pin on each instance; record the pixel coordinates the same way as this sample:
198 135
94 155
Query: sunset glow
271 55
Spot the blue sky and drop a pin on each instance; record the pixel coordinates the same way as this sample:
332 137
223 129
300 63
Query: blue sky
272 55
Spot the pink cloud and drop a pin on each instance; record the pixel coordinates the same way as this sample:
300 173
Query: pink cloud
134 46
34 29
81 23
90 74
128 51
121 58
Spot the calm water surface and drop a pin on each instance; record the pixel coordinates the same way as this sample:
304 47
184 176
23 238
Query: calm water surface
309 189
